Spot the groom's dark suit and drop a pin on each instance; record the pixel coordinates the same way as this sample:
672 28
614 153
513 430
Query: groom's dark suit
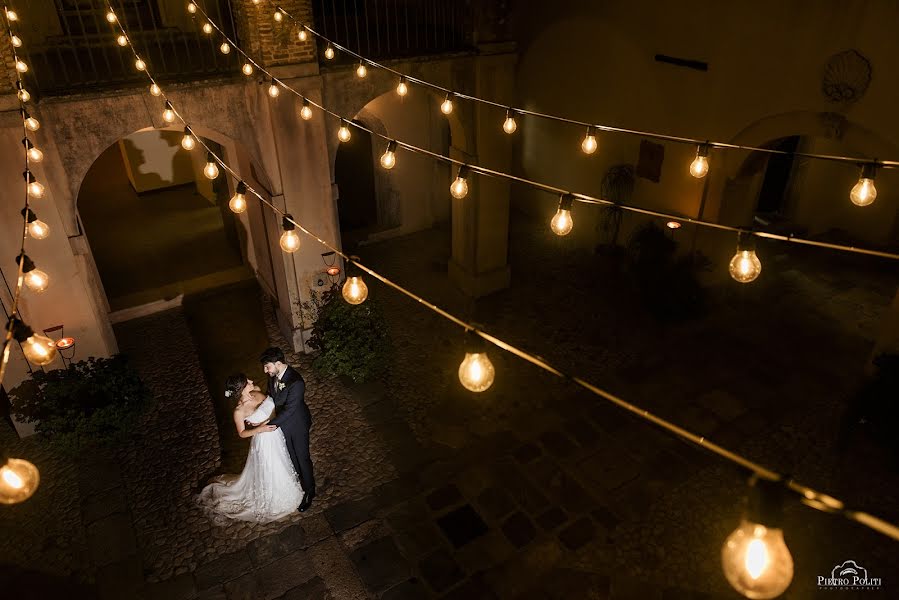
294 419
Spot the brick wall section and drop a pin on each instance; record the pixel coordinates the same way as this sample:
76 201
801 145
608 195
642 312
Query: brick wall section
8 80
270 42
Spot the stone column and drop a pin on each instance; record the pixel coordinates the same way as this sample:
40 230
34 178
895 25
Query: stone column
480 221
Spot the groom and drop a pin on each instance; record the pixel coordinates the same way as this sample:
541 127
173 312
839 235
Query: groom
287 388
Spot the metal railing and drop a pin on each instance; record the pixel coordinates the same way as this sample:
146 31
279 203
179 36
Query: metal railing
381 29
74 48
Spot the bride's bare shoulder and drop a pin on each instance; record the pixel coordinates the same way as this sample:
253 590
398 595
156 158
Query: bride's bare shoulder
257 396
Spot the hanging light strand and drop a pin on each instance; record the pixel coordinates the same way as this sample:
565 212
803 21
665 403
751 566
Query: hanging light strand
807 495
550 189
14 324
607 128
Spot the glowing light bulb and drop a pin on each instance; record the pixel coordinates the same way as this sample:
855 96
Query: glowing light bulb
329 52
34 154
207 27
18 481
35 188
155 90
23 94
290 241
864 193
140 65
388 159
211 170
305 110
476 372
188 142
21 67
279 16
361 71
509 125
562 222
37 281
225 48
402 88
343 134
700 165
38 229
110 17
238 203
447 106
168 115
11 15
302 35
122 41
31 123
354 290
589 145
459 187
745 266
247 69
16 41
39 349
756 561
273 89
191 8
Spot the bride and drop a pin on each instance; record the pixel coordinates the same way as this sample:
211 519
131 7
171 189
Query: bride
268 489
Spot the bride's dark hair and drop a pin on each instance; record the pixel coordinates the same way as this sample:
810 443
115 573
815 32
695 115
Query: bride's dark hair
235 384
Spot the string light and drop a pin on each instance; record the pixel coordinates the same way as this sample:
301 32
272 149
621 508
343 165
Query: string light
509 125
140 65
273 90
562 222
34 155
37 229
459 187
35 188
700 165
301 34
343 134
290 241
755 558
354 290
673 225
329 52
745 266
447 106
305 110
122 41
361 71
207 27
11 15
36 280
211 170
110 17
402 88
21 67
238 203
225 48
247 69
23 94
168 115
864 193
188 142
155 90
38 349
279 16
388 159
476 372
192 8
589 144
18 480
16 41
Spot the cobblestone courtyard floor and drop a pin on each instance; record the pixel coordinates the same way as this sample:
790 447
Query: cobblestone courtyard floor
533 489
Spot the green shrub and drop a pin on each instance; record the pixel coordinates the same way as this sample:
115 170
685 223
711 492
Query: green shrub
93 402
352 340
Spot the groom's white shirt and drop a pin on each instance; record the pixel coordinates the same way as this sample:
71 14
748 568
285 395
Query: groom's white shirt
279 376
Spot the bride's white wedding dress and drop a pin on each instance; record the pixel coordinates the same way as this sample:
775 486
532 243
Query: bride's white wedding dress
267 490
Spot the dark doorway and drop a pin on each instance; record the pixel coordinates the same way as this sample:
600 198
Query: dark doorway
773 194
354 175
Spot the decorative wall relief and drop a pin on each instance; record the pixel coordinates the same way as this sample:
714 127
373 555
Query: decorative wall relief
847 76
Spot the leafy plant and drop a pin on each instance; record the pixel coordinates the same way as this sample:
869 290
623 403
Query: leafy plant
93 402
352 340
667 283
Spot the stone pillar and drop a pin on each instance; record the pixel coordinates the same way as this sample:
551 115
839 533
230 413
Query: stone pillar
480 222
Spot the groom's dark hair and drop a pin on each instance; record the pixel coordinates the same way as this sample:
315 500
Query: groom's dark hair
272 355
